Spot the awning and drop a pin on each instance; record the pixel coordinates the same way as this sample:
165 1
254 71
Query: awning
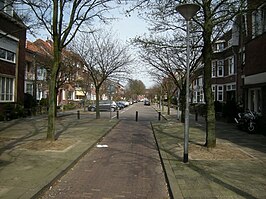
79 93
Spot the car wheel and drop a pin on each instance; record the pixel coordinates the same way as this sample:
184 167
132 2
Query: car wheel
112 109
92 109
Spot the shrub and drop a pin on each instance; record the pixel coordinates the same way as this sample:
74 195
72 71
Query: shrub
69 106
201 109
12 111
44 102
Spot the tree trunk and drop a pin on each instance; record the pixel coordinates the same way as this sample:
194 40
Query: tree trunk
207 57
168 105
53 78
56 94
97 92
52 104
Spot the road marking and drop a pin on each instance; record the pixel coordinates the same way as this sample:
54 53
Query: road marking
101 145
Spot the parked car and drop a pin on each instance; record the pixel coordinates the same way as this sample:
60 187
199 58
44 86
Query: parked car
147 103
104 105
125 103
120 105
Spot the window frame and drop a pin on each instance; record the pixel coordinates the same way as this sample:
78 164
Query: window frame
6 52
220 93
231 65
7 89
258 21
220 65
255 100
214 68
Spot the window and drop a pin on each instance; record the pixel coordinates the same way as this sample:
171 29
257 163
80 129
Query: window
230 43
263 10
70 95
214 67
255 24
6 89
220 93
7 55
197 82
259 21
29 88
200 96
213 91
231 87
6 6
1 5
2 54
219 46
231 67
41 73
220 68
254 100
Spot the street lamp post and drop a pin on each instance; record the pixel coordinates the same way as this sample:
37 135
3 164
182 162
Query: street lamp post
187 11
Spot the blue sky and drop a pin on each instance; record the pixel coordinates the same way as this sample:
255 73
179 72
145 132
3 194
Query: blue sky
126 28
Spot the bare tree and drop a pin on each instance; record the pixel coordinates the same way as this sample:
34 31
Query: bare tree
167 58
213 20
104 58
135 88
62 20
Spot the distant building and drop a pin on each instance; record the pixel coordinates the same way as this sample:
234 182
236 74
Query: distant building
35 72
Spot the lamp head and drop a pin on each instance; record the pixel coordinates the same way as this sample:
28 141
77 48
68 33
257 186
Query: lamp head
187 10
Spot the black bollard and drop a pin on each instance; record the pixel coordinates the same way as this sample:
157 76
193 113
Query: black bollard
159 115
78 114
137 115
196 116
117 114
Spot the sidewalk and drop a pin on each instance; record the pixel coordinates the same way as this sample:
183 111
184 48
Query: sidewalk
27 163
236 168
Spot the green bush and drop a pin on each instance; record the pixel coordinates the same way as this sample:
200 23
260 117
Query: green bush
201 109
12 111
29 101
44 102
69 106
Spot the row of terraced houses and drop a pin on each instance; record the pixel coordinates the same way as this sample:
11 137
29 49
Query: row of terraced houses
24 69
239 64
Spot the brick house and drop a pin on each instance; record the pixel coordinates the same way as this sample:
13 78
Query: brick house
12 57
224 70
224 67
72 83
239 64
35 72
252 72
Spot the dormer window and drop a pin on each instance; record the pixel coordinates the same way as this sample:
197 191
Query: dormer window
219 46
259 21
6 7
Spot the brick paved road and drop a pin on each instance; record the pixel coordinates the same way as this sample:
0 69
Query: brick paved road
128 168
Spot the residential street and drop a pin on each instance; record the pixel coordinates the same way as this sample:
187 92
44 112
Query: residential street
120 159
125 164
